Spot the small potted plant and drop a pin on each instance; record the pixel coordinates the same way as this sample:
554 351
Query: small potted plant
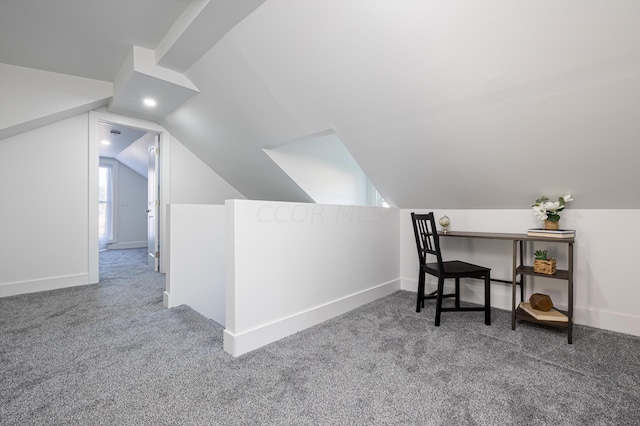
549 211
543 263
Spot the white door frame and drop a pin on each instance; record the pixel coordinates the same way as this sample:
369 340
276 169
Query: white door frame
164 167
153 208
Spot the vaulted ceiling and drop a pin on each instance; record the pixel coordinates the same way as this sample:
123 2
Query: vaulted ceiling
444 104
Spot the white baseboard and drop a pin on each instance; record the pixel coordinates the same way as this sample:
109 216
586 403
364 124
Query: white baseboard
128 245
469 292
409 284
501 299
45 284
241 343
165 299
607 320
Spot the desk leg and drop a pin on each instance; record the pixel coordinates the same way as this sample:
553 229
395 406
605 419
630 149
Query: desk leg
570 290
513 286
522 277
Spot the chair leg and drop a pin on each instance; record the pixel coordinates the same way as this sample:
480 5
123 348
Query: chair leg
457 292
487 299
439 300
420 301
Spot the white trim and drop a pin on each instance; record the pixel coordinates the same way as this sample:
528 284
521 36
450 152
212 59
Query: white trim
94 163
115 167
45 284
409 284
501 299
128 245
471 291
607 320
241 343
165 197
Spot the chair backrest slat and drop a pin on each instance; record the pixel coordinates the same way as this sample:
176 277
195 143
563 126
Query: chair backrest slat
427 240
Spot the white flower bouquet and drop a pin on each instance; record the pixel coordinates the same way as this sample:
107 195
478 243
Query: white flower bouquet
544 209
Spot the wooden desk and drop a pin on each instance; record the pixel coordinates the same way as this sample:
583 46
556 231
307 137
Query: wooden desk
519 268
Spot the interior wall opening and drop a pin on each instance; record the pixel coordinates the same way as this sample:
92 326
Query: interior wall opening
120 173
325 169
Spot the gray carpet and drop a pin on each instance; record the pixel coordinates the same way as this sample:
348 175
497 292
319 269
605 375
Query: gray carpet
110 354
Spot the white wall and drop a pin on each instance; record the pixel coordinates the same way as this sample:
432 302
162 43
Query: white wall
324 169
294 265
195 191
130 206
32 98
48 181
44 208
605 289
196 273
193 182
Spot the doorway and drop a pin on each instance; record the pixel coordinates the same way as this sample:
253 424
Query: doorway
137 144
127 189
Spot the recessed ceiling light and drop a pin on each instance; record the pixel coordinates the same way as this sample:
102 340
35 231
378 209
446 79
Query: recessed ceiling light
150 102
106 142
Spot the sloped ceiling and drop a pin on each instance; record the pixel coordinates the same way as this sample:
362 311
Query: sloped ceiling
444 104
456 104
127 145
88 38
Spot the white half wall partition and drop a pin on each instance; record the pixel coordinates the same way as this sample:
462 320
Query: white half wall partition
196 271
294 265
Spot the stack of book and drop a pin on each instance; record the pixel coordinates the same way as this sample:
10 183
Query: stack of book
557 233
550 315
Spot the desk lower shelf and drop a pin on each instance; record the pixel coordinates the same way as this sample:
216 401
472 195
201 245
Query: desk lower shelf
524 315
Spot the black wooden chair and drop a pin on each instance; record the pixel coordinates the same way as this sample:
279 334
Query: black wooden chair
428 243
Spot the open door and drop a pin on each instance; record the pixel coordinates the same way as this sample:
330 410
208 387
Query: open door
153 206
